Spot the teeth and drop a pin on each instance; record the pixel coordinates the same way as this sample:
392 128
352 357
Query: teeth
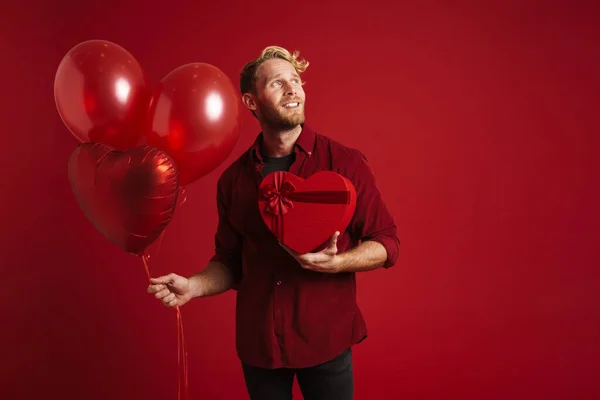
290 105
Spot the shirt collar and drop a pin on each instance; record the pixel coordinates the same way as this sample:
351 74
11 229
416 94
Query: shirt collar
305 142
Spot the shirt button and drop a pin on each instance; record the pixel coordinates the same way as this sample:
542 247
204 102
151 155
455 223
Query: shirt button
278 283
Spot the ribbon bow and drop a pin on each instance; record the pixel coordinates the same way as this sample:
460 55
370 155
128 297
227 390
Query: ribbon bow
278 197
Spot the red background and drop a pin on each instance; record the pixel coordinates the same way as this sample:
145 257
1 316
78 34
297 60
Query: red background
480 122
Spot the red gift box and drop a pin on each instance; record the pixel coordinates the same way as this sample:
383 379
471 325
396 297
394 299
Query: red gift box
304 213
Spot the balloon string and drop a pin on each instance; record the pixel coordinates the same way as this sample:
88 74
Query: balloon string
145 258
182 357
182 363
181 347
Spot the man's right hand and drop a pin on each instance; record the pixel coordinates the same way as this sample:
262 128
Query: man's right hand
173 290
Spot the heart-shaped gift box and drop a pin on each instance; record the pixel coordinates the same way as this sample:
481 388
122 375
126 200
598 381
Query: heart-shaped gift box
304 213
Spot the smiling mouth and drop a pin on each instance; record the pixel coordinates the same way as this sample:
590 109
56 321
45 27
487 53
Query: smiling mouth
291 105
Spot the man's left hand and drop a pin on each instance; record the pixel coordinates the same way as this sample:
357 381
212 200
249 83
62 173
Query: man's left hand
326 260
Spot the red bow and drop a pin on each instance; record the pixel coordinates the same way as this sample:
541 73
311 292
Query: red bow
278 197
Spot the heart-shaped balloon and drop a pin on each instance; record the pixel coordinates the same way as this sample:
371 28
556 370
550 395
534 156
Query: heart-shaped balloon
128 195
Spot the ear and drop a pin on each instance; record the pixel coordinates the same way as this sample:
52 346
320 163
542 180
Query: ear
249 101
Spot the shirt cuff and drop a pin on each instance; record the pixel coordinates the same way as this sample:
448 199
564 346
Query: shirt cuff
391 245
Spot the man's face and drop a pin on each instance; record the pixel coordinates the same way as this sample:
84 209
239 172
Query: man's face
279 95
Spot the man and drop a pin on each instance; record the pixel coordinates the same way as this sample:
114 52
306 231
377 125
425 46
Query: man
296 314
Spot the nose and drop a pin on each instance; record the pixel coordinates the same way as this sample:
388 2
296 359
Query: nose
290 89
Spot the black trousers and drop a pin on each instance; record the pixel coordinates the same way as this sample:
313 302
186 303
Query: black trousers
332 380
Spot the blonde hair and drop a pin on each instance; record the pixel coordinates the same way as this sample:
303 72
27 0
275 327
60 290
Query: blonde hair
249 74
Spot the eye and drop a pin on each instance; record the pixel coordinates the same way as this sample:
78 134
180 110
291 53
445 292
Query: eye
276 83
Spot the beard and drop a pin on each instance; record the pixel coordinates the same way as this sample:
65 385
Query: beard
281 119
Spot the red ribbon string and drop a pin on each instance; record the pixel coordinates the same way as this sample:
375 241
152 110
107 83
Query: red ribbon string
182 364
281 194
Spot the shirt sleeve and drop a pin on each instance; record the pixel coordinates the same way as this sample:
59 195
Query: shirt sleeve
372 221
228 242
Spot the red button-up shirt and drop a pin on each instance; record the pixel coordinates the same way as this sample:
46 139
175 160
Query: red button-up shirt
287 316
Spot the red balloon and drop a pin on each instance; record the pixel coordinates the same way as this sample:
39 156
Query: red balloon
195 118
102 94
129 196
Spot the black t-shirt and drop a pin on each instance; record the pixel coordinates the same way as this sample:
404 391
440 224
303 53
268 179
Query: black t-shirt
272 164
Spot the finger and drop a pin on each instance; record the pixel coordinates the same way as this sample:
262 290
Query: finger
163 293
330 251
168 298
172 303
178 282
333 241
165 279
155 288
335 235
